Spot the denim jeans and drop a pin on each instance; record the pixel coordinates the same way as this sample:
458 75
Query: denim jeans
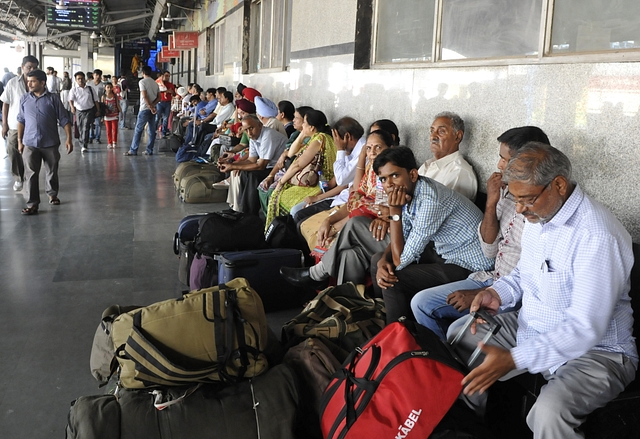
430 306
122 117
96 128
164 111
145 117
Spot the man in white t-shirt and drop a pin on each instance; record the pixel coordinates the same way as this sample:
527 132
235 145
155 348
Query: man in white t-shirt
149 97
448 166
13 91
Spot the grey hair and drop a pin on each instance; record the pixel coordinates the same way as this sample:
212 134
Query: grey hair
456 121
537 164
252 117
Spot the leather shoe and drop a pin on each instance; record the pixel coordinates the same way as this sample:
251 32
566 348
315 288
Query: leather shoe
300 277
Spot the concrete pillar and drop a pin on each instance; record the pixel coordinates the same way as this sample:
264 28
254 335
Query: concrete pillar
86 52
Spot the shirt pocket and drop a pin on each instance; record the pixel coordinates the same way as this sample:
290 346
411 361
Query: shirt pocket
555 288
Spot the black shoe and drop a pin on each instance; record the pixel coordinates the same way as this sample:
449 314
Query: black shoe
300 277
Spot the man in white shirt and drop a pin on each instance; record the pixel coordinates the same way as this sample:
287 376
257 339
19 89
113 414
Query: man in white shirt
84 105
224 111
448 166
573 280
98 87
149 97
52 84
15 88
267 110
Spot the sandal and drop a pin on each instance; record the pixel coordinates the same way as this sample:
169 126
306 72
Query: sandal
33 210
54 200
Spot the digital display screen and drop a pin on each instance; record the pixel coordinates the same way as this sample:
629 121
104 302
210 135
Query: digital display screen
84 14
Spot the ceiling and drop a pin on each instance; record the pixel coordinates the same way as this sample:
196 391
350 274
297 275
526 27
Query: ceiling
122 20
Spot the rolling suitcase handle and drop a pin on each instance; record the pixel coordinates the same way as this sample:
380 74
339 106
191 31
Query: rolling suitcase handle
494 327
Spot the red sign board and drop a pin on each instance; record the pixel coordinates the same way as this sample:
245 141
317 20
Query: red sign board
185 40
169 53
171 44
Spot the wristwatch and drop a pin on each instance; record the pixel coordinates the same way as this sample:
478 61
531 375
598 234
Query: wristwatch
394 217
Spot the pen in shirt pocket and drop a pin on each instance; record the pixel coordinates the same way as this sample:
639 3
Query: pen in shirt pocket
545 266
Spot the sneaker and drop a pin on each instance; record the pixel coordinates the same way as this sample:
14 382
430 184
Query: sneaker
224 184
17 186
147 153
129 154
85 149
98 141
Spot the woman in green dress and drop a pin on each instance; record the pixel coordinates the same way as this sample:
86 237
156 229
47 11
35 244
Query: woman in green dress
302 179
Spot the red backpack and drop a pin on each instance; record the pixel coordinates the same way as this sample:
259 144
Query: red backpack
398 385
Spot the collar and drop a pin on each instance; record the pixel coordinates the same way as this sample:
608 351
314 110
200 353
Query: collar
418 193
569 207
46 92
444 161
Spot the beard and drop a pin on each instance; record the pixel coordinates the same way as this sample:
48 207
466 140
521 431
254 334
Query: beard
535 218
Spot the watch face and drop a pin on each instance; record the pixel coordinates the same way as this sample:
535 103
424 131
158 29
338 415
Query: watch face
395 217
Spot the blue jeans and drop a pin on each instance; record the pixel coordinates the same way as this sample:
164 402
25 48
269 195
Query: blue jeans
430 306
145 117
164 110
96 129
122 117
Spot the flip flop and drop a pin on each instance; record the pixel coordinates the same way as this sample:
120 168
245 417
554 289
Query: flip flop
30 210
54 200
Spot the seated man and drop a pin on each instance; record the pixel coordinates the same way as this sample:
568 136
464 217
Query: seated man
223 112
500 232
265 146
435 212
573 279
448 166
203 111
267 110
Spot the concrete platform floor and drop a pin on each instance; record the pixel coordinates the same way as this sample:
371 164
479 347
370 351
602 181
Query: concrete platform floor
110 241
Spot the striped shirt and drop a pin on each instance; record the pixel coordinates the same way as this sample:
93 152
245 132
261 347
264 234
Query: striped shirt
439 214
573 280
507 245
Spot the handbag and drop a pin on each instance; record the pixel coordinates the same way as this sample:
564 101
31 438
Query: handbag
308 176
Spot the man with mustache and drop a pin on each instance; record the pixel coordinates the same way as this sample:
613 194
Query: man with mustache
573 280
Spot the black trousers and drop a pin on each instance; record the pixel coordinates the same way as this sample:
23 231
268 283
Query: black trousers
431 271
248 194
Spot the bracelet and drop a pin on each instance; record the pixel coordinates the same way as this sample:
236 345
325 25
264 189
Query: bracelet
334 229
359 167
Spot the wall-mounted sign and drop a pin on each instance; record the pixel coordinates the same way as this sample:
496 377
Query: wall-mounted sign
185 40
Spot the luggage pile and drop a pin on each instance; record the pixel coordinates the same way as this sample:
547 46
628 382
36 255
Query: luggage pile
194 182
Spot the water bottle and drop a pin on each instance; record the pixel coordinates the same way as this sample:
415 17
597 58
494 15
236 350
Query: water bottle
381 195
322 182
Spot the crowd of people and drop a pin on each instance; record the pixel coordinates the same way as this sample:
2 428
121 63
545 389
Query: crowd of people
552 263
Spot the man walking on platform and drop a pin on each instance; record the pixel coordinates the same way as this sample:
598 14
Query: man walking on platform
15 88
38 139
84 104
149 97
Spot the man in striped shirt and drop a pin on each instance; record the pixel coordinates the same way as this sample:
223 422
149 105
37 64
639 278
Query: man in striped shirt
573 280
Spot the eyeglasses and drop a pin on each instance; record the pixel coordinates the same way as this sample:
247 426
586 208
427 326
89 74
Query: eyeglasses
531 201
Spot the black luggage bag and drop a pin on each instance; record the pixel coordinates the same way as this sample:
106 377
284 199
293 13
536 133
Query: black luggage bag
262 269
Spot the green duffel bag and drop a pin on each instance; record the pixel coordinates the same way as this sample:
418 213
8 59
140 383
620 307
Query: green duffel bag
264 407
213 334
342 315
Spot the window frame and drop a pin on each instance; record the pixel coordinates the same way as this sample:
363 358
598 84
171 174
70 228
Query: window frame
215 58
257 34
544 56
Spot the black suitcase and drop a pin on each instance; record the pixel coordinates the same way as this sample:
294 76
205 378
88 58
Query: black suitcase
262 269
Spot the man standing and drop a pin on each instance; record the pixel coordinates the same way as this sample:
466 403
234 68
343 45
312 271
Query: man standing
84 105
448 166
13 92
8 75
500 233
265 147
98 87
573 280
149 97
167 92
38 139
52 84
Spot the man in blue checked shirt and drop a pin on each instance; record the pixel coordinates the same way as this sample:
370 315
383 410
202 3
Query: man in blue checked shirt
573 280
38 140
422 211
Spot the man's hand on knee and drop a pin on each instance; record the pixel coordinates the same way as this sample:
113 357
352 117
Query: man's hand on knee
462 299
497 363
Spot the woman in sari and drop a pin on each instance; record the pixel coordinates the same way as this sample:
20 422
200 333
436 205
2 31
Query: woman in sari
302 177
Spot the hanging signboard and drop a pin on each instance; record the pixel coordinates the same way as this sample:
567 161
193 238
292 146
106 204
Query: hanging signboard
185 40
169 53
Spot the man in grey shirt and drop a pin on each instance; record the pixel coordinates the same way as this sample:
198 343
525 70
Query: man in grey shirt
38 139
265 147
149 97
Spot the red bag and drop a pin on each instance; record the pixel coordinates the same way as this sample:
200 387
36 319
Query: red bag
399 385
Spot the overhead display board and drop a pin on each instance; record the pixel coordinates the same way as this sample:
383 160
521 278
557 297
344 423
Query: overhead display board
80 14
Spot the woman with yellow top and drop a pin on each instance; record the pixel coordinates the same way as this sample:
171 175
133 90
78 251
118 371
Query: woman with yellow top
302 179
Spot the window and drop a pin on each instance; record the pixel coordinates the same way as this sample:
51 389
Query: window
441 32
215 43
270 34
593 25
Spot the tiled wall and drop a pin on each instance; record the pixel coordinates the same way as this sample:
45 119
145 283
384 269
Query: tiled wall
590 111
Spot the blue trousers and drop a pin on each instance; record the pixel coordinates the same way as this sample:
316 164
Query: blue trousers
145 117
